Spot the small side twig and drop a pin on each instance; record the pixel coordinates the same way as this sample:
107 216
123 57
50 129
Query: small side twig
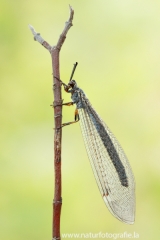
38 38
68 24
54 51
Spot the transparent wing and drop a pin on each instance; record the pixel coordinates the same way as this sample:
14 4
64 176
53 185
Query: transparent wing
110 166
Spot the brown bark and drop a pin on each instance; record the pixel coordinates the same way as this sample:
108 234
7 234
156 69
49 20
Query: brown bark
57 202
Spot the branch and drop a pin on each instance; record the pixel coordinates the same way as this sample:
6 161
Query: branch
57 104
68 25
38 38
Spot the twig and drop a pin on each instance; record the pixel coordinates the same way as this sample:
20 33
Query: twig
57 202
38 38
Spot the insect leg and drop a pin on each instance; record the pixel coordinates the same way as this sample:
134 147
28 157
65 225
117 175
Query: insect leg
76 117
68 104
55 104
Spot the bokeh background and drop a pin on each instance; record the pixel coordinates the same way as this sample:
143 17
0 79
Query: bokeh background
117 46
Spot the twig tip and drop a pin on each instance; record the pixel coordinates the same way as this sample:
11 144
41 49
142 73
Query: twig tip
30 26
70 7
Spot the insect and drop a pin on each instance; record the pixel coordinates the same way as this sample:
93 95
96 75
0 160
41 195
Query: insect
109 163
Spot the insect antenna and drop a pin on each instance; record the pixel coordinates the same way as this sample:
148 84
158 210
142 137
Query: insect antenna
74 68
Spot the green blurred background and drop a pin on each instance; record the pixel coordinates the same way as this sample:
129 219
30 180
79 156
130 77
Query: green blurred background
117 46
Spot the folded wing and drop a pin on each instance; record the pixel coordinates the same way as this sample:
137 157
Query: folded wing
110 165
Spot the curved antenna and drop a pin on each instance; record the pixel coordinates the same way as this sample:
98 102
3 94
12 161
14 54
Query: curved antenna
74 68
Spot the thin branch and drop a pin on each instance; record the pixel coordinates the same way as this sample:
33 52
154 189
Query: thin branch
68 24
38 38
57 202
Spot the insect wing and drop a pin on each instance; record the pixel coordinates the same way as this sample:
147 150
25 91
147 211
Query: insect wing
114 177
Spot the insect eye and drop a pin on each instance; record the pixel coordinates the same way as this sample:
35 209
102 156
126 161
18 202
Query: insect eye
72 83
